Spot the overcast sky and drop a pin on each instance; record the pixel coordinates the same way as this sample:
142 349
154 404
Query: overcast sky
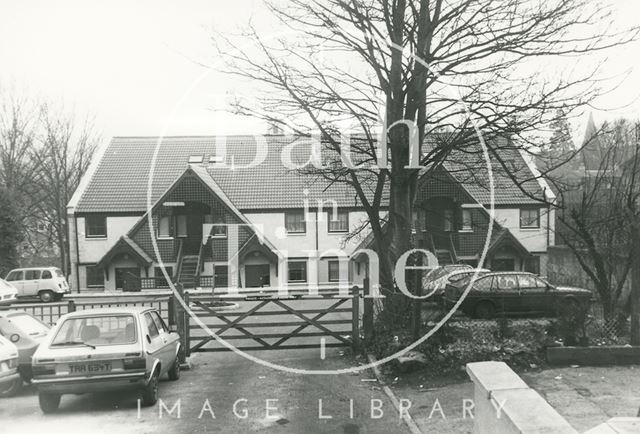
131 64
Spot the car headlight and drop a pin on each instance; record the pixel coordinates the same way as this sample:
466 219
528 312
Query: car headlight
14 338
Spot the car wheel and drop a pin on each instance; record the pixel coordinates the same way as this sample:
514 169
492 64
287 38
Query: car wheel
150 393
484 310
174 372
12 389
49 402
46 296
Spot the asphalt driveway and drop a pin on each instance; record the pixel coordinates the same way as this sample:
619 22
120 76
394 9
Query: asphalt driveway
266 400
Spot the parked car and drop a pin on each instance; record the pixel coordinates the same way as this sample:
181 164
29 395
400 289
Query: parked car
8 367
105 349
514 293
47 283
8 293
435 281
26 332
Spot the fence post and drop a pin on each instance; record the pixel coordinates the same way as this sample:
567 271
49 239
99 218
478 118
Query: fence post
179 318
185 316
355 318
367 314
172 310
71 307
417 306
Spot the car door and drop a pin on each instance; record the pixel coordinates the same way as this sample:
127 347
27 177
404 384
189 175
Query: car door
31 282
154 344
508 293
16 278
533 296
167 353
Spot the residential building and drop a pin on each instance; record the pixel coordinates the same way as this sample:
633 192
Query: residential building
188 205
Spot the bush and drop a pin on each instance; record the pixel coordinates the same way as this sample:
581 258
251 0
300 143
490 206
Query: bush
521 344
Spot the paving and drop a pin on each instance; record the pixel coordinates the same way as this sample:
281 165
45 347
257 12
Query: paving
224 378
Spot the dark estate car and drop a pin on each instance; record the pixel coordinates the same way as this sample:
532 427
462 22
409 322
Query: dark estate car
514 293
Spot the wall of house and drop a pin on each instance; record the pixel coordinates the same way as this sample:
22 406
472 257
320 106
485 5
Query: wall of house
91 250
315 243
535 240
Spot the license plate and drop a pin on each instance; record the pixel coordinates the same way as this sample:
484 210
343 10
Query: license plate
90 368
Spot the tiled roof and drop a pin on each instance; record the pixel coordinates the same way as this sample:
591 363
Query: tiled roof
119 183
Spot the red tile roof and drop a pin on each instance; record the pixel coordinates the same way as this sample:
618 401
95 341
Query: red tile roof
120 181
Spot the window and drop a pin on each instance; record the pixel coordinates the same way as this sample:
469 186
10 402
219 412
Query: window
32 275
530 282
483 284
164 227
162 327
95 226
95 276
181 226
151 326
46 274
334 270
507 282
15 275
195 159
467 222
297 271
530 218
220 228
448 220
294 222
338 221
96 330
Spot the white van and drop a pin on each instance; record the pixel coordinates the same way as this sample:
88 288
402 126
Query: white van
47 283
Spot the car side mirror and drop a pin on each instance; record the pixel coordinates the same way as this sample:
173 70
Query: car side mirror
148 338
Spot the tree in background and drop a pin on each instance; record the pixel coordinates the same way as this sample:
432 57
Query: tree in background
62 155
598 215
10 232
44 151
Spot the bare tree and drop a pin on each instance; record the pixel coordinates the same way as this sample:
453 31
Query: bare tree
599 213
62 155
376 65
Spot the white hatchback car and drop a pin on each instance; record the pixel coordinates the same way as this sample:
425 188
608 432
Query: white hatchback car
8 293
105 349
47 283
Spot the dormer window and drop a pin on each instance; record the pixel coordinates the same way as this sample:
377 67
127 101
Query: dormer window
195 159
216 159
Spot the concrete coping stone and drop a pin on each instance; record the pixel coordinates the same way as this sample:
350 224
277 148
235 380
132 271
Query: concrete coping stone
493 376
529 412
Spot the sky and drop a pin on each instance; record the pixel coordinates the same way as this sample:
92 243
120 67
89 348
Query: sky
139 68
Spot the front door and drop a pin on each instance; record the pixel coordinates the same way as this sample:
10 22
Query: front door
120 275
194 234
257 275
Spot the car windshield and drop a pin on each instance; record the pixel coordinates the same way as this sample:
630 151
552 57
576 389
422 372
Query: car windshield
96 330
28 324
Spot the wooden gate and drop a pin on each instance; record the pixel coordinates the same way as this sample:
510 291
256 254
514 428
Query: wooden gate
270 322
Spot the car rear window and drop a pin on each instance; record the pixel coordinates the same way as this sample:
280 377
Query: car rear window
58 272
97 330
28 324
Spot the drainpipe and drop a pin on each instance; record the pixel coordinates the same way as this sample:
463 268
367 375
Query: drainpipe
75 220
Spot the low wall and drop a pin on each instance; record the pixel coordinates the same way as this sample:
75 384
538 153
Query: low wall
505 404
